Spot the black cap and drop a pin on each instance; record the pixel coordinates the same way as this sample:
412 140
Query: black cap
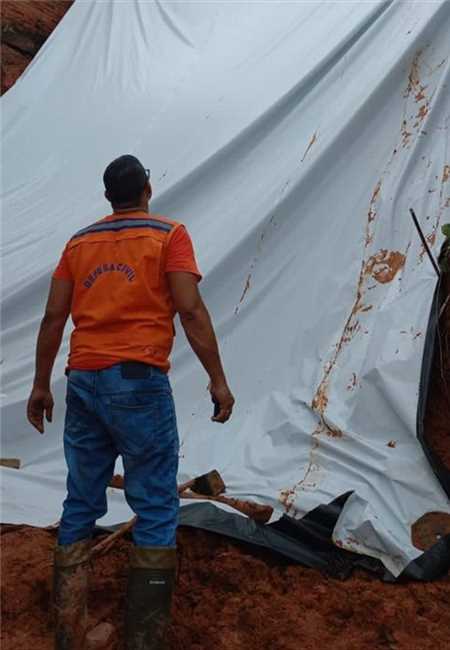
124 179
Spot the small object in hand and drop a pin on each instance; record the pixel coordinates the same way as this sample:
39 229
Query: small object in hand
216 407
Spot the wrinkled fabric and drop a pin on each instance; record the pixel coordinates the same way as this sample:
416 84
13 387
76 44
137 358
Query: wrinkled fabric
292 139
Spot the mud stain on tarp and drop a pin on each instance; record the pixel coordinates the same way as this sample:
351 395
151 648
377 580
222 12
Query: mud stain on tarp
353 382
352 326
417 92
420 94
414 85
406 135
308 148
267 230
310 480
384 266
431 238
372 207
288 496
320 401
423 112
381 266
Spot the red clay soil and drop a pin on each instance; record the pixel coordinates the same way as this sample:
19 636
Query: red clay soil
230 597
26 24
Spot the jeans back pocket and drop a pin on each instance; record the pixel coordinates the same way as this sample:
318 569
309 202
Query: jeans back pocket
135 419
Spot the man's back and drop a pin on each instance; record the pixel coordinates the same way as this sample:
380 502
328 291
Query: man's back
122 307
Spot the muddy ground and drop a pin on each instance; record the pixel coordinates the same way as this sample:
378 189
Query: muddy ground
230 597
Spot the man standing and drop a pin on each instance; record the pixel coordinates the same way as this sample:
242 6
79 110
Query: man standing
122 280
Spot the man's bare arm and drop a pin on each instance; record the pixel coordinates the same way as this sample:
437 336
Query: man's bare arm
199 330
49 339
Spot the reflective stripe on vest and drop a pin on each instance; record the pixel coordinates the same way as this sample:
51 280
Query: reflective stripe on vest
124 224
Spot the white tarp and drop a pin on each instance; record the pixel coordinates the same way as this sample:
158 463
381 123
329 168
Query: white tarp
291 138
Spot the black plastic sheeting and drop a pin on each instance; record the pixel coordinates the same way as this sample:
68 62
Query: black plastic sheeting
442 473
308 540
435 562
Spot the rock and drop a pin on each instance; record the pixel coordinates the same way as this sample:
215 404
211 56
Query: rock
101 636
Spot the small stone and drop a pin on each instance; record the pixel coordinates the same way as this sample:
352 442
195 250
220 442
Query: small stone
101 636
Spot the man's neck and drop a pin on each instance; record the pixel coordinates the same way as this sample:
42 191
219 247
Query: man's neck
136 208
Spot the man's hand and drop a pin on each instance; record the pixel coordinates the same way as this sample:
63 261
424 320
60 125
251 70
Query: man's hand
40 402
221 394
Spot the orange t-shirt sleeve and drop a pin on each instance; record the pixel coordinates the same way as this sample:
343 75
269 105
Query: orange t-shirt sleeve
180 254
62 271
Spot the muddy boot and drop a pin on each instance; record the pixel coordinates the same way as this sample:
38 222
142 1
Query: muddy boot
149 595
70 582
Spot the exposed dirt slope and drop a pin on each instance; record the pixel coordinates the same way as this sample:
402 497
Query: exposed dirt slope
26 24
230 597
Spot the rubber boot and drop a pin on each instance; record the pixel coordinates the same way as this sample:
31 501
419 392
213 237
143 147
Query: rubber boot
149 596
70 587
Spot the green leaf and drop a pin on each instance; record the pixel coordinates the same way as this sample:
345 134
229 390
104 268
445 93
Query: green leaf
446 230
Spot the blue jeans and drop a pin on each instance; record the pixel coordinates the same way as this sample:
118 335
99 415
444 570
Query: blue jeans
126 409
